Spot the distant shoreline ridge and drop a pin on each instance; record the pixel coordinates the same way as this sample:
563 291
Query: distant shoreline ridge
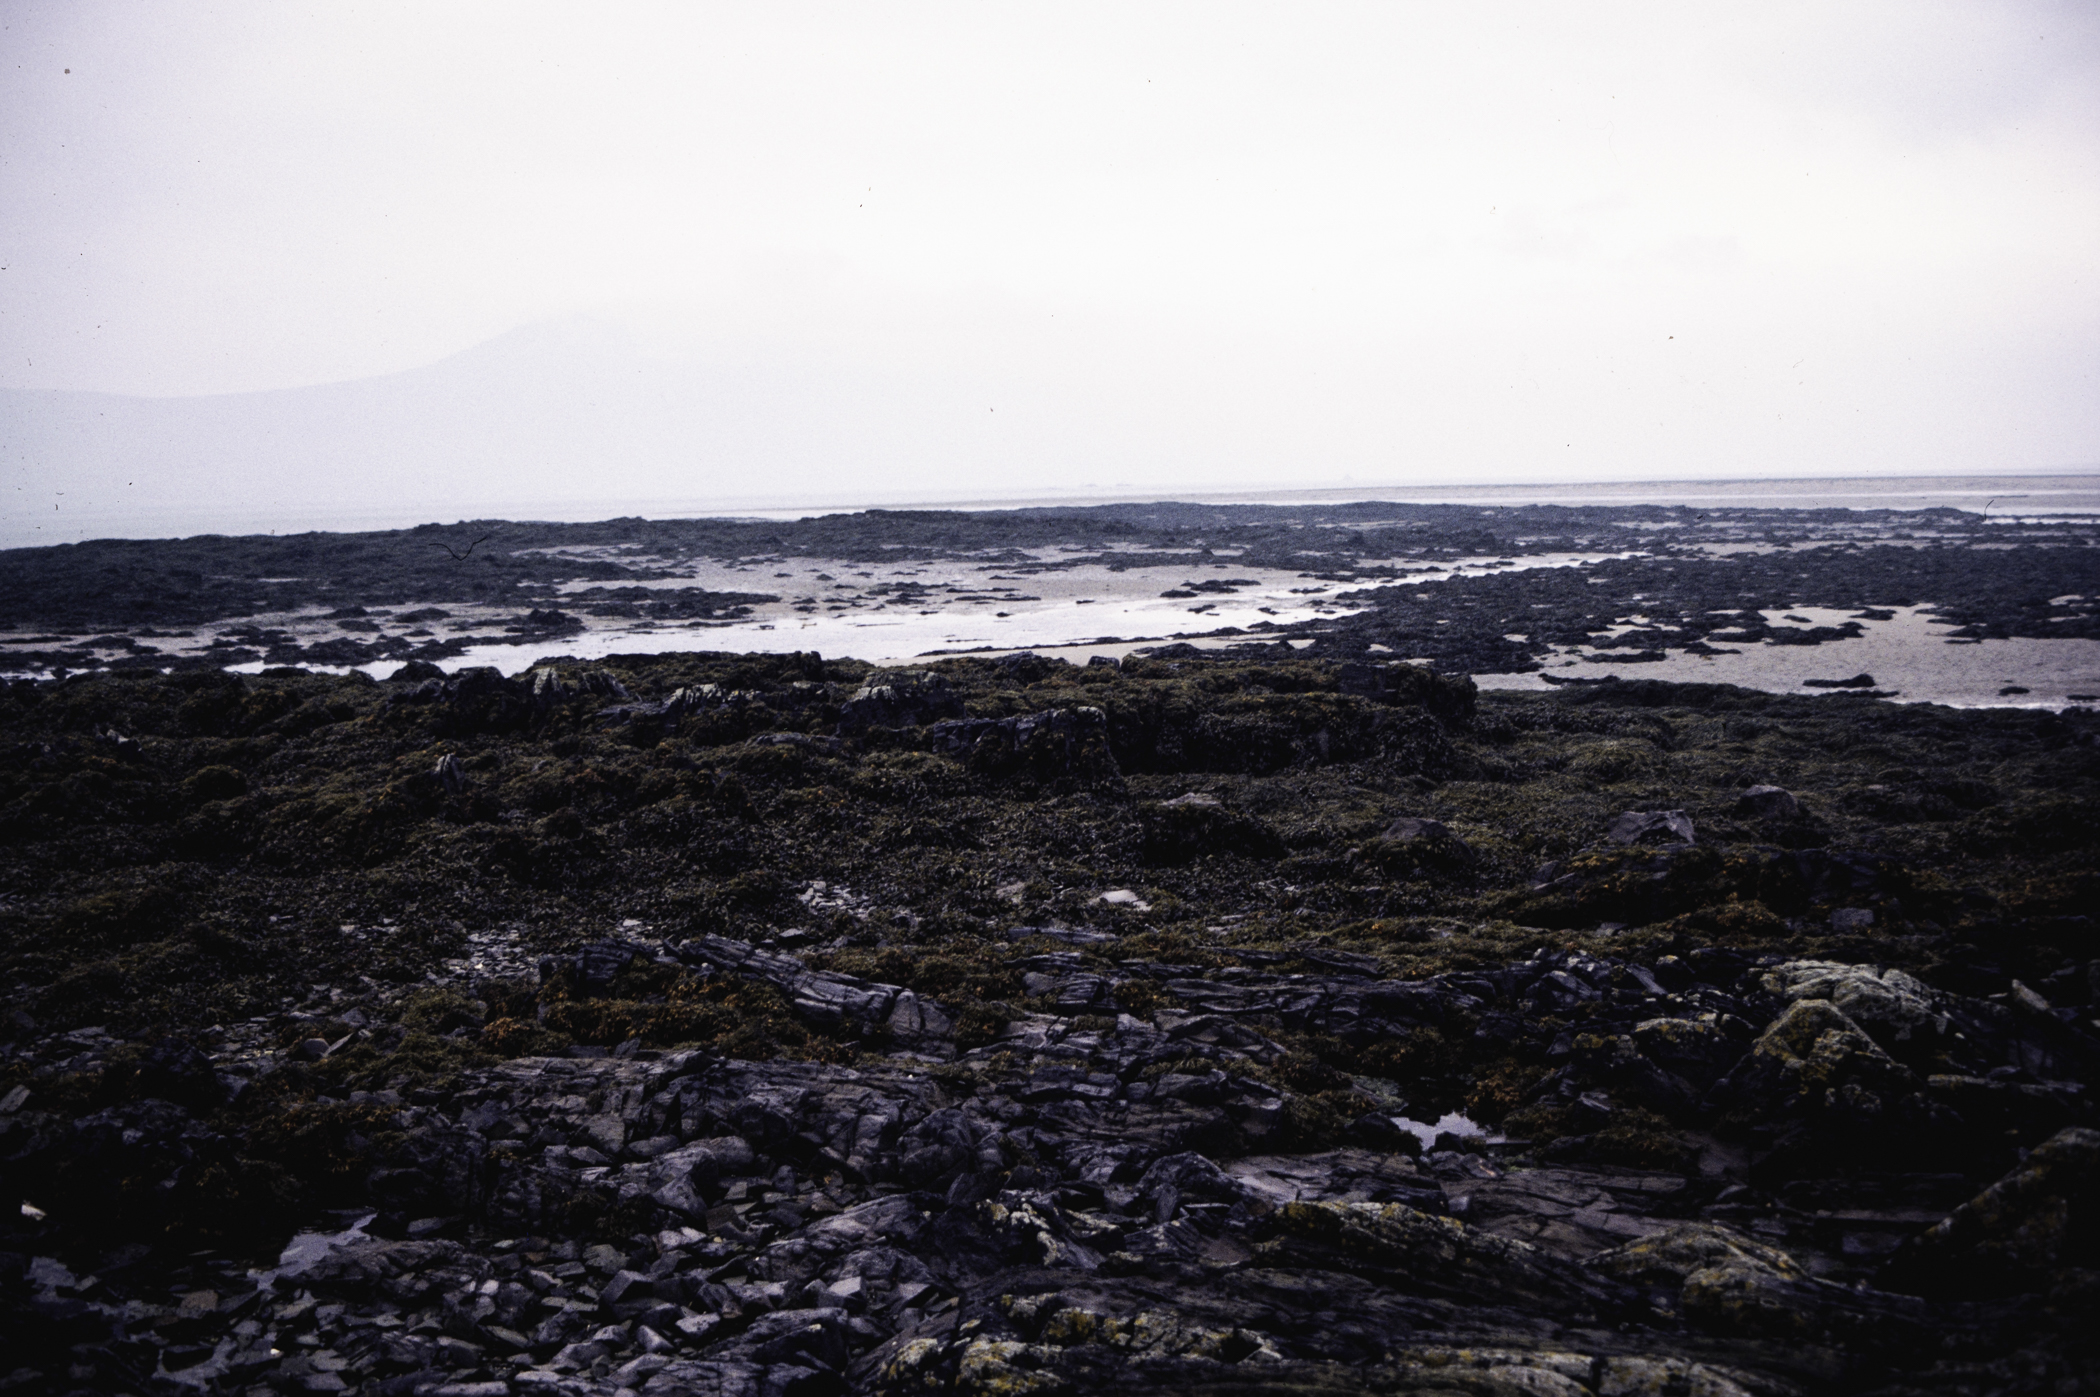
2022 495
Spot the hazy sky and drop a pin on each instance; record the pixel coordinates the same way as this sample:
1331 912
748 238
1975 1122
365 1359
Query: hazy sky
1316 240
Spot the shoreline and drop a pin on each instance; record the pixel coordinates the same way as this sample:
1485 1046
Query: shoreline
1937 605
2076 491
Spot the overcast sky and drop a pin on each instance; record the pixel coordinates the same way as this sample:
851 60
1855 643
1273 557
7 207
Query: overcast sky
1286 241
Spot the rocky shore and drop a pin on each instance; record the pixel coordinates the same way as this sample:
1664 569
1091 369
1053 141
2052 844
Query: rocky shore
773 1025
1471 589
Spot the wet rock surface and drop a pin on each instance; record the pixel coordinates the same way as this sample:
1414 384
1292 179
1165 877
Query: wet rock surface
1627 583
1118 1031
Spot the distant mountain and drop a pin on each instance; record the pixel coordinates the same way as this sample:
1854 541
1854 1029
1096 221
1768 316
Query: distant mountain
567 412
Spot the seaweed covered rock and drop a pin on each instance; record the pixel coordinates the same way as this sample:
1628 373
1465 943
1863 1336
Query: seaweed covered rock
478 700
900 701
1632 885
1834 1100
2034 1229
1813 1057
1901 1013
1451 697
1415 847
1728 1284
841 1072
1063 748
1656 877
1196 825
831 1000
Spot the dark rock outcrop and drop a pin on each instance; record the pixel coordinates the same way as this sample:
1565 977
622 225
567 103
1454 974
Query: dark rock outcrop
1651 827
1768 803
1059 747
900 701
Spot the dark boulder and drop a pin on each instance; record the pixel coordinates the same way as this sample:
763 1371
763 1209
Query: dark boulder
472 701
1447 696
690 701
1768 803
899 701
1186 1178
1651 827
1193 826
1060 747
1831 1101
551 687
1413 847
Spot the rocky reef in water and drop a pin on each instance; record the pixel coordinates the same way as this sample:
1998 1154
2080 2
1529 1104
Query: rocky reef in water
1640 581
724 1024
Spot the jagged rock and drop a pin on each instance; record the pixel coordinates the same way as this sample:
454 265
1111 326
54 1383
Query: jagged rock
674 1179
826 999
1187 1177
1899 1011
1813 1058
470 701
1398 682
1616 1061
1665 1259
1651 826
682 703
592 969
809 1219
899 701
549 687
1698 1051
1835 1100
722 1378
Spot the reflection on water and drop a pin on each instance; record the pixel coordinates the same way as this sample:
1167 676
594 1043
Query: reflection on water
1910 656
